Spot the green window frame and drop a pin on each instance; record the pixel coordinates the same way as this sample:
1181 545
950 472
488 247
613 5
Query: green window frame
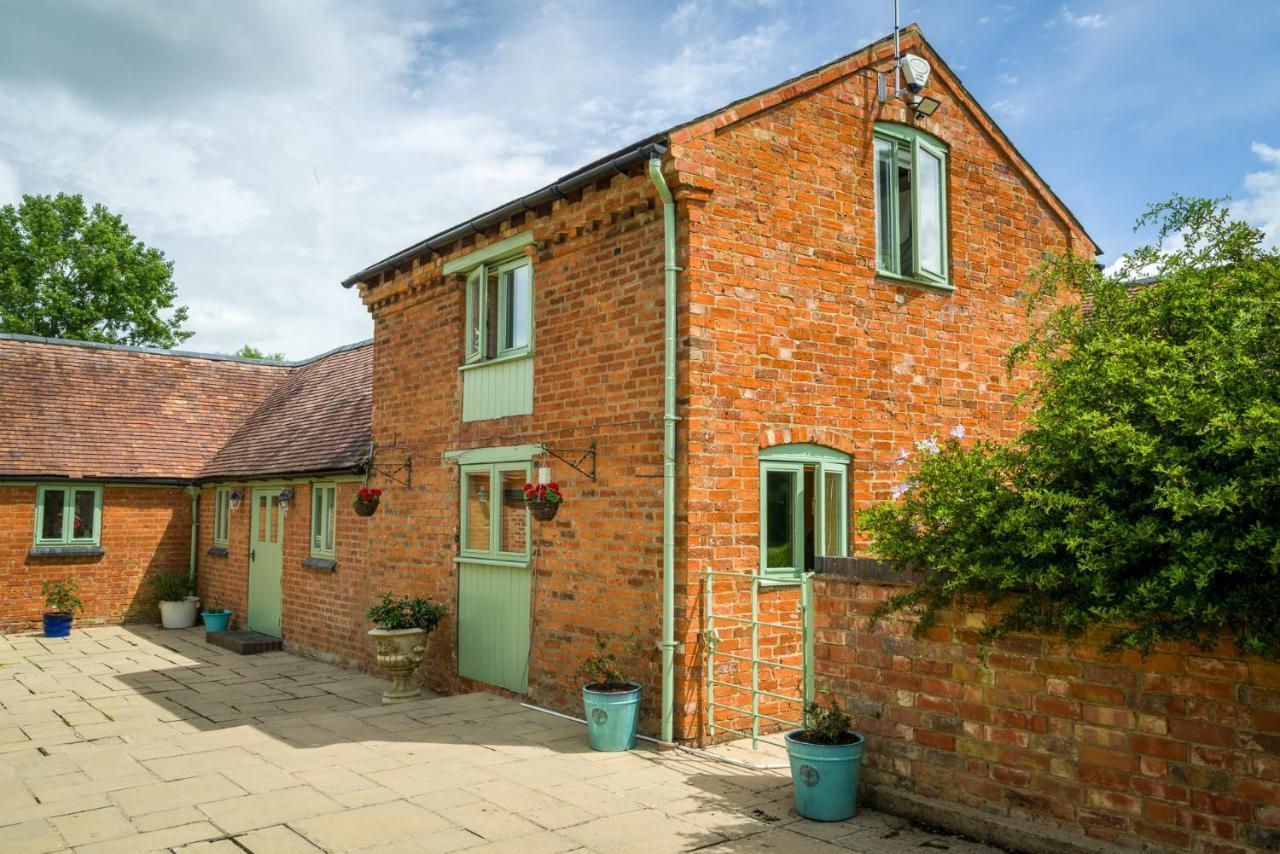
221 514
324 512
911 241
499 312
804 508
68 514
479 538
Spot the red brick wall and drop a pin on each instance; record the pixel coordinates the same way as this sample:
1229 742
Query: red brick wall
144 530
1179 750
597 270
794 338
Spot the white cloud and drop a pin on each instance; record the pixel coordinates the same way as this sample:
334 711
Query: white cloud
1095 21
1007 78
10 188
1261 203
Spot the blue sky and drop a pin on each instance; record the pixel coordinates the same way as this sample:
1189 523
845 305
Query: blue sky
270 149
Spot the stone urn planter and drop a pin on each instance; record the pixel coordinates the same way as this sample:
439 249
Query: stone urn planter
399 652
400 640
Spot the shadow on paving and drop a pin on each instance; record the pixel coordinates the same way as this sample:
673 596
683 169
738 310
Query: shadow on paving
126 729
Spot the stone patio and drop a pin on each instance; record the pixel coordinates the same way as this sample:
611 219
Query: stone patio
135 739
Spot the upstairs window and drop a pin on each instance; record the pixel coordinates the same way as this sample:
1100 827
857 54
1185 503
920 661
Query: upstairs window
221 506
68 515
499 321
911 204
324 501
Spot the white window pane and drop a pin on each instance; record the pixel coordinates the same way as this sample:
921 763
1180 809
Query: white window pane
476 493
906 248
884 206
517 294
930 217
832 513
475 314
82 523
51 522
330 515
514 533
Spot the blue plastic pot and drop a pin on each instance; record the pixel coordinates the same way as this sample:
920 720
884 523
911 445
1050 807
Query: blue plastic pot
216 621
612 717
824 777
57 624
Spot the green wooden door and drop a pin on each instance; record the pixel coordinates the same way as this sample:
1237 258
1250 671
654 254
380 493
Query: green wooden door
266 562
493 624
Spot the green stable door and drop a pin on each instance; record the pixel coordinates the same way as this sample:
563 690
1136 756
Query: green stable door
266 562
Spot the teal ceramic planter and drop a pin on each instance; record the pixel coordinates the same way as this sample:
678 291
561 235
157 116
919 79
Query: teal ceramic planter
824 777
612 717
216 621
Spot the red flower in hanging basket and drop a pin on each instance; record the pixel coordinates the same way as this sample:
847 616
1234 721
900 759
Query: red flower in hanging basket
367 501
543 500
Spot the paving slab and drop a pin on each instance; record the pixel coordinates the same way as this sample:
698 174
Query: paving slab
132 739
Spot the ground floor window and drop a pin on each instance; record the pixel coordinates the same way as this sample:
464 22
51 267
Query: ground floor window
221 508
804 509
324 500
68 515
495 520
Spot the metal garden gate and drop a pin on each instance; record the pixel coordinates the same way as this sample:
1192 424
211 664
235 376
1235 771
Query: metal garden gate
718 618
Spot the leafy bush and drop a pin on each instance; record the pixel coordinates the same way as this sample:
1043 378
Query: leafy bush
405 613
62 596
603 668
1142 495
171 586
826 724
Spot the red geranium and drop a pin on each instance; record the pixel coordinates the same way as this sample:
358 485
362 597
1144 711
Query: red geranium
368 495
542 492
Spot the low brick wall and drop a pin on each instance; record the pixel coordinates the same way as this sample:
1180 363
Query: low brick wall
1178 751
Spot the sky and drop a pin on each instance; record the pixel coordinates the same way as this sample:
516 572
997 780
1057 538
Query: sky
271 148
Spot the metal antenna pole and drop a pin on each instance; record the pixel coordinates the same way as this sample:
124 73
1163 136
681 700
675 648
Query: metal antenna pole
897 53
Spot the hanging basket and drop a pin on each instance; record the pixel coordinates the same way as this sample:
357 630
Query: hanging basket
543 510
365 508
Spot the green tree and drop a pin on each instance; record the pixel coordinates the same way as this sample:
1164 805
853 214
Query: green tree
248 351
70 272
1144 494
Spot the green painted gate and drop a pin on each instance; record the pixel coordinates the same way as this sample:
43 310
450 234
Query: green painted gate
493 624
266 562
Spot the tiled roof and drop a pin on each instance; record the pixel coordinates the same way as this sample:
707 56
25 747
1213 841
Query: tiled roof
318 419
70 409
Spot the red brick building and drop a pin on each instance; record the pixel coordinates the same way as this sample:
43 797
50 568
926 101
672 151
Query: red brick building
848 276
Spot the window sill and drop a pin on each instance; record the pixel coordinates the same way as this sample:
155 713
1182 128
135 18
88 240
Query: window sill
498 360
515 563
217 551
895 279
780 582
324 564
66 551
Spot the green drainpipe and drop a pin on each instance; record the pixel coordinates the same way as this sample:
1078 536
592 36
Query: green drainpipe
668 451
194 492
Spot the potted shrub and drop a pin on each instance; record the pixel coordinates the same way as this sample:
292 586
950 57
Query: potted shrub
178 607
61 601
367 500
543 500
216 618
611 702
825 757
400 640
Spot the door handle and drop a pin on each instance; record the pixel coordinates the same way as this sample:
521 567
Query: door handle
253 554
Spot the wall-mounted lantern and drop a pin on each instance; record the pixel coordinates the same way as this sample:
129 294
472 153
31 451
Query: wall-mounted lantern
285 499
234 499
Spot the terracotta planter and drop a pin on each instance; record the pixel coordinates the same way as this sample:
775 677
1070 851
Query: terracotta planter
543 510
365 508
399 652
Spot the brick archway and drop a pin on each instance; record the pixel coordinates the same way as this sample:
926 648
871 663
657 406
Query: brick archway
813 435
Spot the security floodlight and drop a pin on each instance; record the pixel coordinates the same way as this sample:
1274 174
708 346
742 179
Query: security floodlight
915 72
925 106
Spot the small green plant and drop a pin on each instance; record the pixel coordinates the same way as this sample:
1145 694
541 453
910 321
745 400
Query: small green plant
215 607
171 586
603 668
405 613
62 596
826 724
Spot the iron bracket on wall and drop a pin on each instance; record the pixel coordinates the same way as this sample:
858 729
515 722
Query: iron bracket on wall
390 474
588 453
